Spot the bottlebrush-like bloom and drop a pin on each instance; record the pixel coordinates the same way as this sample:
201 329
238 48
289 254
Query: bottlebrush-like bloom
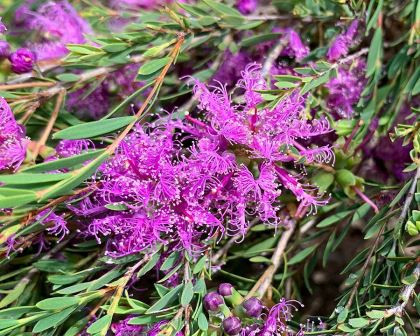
89 105
178 193
345 89
295 47
340 46
4 49
22 60
122 328
59 24
59 224
246 6
13 142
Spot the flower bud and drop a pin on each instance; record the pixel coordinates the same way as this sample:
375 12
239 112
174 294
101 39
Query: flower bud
212 301
232 325
252 307
22 60
4 49
225 289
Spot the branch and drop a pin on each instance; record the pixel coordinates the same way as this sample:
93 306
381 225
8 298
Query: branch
265 280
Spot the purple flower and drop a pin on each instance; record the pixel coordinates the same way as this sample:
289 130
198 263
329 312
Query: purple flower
246 6
3 28
89 105
122 328
22 60
342 42
230 70
253 307
156 329
68 148
4 49
13 142
345 89
59 224
225 289
63 25
212 301
295 47
182 182
232 325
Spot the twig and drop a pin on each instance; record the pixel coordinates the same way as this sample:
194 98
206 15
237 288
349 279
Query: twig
272 56
265 280
6 87
405 295
401 218
41 142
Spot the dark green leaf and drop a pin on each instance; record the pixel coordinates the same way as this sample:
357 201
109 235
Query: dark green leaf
93 128
153 66
302 255
165 301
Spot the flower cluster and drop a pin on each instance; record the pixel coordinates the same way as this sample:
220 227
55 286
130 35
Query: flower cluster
340 45
57 24
13 141
249 317
183 182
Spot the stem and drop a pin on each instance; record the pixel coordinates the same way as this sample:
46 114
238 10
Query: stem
6 87
42 141
265 280
366 199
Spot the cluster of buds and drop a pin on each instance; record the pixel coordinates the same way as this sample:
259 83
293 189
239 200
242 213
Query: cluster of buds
231 313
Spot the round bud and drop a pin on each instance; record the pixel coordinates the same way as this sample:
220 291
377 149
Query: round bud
212 301
232 325
4 49
253 307
22 60
225 289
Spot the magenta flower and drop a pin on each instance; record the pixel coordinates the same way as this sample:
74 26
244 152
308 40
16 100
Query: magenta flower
57 223
247 6
4 49
63 25
13 142
180 193
22 60
342 42
345 89
122 328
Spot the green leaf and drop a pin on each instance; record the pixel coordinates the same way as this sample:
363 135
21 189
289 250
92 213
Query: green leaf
69 162
149 265
68 77
116 206
375 314
14 294
375 53
165 301
7 323
187 293
57 303
53 320
202 322
99 325
328 249
260 259
74 288
170 261
343 315
15 201
198 267
222 8
15 312
333 219
302 255
27 178
153 66
93 128
358 322
316 82
256 39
